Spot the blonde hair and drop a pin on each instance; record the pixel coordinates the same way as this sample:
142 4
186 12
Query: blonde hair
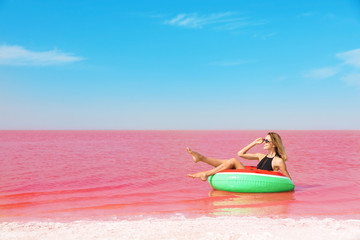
279 147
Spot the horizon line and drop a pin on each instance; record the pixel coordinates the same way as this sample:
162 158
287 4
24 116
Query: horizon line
179 130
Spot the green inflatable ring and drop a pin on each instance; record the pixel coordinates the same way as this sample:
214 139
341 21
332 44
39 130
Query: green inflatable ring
251 180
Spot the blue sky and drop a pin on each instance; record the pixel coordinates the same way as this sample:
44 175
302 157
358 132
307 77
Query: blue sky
180 64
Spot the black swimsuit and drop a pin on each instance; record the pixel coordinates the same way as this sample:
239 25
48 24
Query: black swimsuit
265 164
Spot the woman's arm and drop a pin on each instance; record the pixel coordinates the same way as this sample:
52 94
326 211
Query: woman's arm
279 163
255 156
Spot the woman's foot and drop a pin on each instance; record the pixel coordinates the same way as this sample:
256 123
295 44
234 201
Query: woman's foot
201 175
196 156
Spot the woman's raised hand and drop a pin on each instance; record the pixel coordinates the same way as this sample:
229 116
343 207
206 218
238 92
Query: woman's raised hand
258 141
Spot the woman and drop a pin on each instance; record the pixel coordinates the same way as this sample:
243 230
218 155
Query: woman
273 161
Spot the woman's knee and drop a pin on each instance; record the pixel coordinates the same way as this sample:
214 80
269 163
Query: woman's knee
236 163
231 162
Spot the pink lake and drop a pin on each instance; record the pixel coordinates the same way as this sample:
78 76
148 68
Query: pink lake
99 175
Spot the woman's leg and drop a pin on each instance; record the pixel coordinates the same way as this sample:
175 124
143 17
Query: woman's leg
211 161
229 164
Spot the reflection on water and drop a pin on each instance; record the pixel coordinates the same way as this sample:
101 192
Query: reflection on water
230 203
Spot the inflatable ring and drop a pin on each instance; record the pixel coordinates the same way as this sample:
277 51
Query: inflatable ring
251 180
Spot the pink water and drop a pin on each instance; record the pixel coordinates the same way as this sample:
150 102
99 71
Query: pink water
77 175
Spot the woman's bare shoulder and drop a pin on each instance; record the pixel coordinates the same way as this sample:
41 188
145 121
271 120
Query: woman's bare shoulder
278 160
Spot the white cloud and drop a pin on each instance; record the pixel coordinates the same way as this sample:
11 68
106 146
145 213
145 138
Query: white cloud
348 69
225 21
352 79
322 73
351 57
17 55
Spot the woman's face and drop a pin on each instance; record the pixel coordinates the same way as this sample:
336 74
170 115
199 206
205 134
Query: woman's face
268 143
